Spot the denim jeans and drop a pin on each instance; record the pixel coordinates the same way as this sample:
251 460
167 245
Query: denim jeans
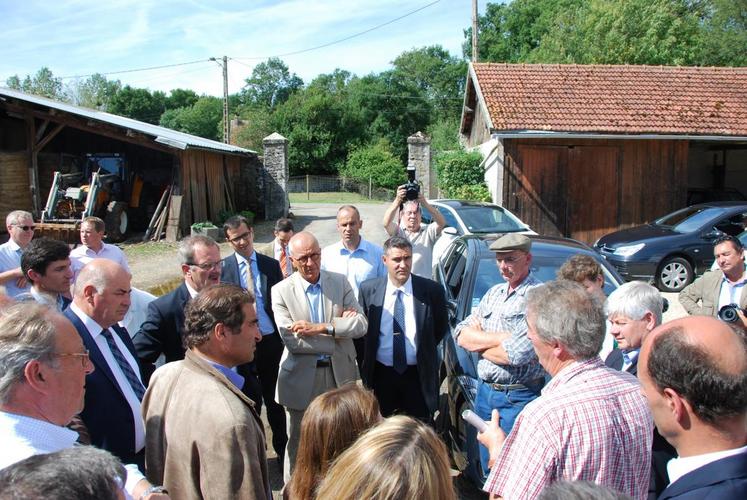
508 403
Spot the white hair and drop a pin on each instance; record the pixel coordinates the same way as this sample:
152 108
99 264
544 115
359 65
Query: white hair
633 300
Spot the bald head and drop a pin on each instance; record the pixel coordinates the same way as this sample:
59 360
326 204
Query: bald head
306 255
702 359
102 291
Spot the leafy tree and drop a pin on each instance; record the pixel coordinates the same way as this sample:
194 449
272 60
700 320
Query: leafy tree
255 125
723 34
43 83
270 85
139 104
444 135
457 169
181 98
95 92
377 163
202 119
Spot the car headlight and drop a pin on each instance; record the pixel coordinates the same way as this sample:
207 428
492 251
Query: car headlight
628 250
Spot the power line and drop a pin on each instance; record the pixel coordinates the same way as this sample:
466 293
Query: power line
136 69
302 51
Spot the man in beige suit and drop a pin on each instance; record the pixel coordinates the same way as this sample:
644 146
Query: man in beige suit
318 318
278 248
715 289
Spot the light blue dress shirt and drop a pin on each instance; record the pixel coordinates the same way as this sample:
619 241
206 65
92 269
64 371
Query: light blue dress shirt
265 323
365 262
10 258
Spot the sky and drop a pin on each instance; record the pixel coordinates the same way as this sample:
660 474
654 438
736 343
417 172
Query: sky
81 37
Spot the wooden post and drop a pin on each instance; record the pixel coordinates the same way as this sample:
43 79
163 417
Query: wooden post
308 194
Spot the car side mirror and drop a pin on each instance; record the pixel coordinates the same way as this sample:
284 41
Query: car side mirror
451 231
712 234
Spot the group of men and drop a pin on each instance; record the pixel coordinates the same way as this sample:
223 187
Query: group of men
277 325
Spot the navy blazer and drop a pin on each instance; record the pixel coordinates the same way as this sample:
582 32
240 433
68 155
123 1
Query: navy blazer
161 332
615 360
431 322
107 413
269 275
724 479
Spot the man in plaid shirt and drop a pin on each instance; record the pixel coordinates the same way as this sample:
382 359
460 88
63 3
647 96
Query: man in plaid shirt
510 375
591 423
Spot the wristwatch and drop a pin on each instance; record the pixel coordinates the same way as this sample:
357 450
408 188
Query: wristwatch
330 329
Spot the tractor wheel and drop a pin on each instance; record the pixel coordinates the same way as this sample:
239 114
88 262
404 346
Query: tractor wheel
116 221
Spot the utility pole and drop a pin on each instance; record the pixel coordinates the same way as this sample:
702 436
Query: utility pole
226 123
475 54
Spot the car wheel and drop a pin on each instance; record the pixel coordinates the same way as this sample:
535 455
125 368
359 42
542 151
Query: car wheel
675 273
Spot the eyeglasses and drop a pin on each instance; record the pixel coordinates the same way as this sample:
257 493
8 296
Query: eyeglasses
84 356
304 258
207 266
25 228
241 237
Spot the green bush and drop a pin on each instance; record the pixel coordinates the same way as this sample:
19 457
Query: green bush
458 170
474 192
375 162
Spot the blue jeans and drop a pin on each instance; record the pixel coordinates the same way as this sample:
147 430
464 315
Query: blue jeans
508 403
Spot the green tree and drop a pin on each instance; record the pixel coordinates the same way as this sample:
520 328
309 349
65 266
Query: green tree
43 83
139 104
444 135
202 119
457 169
181 98
95 92
376 163
270 85
723 34
255 125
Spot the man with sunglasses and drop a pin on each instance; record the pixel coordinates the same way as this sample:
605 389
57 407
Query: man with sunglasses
20 225
161 333
258 273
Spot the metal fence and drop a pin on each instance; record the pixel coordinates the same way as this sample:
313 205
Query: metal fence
335 184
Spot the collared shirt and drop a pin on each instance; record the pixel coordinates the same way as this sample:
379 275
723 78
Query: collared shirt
230 373
95 330
265 323
313 293
422 248
629 357
25 437
501 310
385 354
731 292
591 423
365 262
42 298
82 255
10 258
192 292
678 467
277 252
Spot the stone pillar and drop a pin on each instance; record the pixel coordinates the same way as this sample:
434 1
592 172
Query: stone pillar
419 154
275 176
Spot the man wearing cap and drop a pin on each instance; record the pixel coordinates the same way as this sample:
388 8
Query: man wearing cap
510 374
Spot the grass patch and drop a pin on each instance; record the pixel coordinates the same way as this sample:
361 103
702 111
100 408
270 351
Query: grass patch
330 197
147 249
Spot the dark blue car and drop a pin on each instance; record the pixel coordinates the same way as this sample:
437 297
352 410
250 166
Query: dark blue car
466 272
672 250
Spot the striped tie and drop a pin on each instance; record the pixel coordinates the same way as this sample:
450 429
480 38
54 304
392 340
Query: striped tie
135 383
284 261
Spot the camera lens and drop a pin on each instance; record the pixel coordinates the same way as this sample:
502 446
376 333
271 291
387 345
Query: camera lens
728 313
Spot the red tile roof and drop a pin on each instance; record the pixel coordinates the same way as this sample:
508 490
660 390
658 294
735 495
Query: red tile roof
615 99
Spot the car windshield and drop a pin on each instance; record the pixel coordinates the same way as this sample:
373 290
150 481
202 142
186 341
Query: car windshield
487 219
689 219
544 268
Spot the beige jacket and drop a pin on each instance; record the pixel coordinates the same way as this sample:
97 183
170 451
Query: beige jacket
203 437
701 296
298 364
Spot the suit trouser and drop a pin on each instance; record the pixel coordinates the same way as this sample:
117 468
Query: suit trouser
400 393
324 380
267 359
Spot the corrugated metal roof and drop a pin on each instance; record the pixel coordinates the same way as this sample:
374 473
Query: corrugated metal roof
162 135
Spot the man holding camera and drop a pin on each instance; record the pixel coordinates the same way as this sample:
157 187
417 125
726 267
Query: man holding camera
409 202
707 295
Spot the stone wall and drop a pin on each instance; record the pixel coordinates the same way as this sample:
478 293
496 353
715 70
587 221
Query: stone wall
275 176
419 154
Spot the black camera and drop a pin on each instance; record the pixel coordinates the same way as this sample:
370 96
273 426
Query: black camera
729 314
412 188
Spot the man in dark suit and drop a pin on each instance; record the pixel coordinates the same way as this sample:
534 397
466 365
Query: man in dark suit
161 333
406 321
633 311
259 273
694 374
111 413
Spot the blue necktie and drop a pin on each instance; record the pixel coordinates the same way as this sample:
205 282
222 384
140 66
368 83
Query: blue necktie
398 344
135 383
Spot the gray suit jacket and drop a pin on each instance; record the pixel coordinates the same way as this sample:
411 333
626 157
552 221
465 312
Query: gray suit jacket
706 290
298 364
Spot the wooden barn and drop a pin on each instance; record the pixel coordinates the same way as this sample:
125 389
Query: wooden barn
580 151
196 179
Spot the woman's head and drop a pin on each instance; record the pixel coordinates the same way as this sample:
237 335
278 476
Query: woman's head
399 458
331 423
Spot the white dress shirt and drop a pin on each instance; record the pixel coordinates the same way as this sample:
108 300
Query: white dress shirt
678 467
95 330
385 354
82 255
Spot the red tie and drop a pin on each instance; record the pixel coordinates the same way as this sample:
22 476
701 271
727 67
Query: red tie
284 261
